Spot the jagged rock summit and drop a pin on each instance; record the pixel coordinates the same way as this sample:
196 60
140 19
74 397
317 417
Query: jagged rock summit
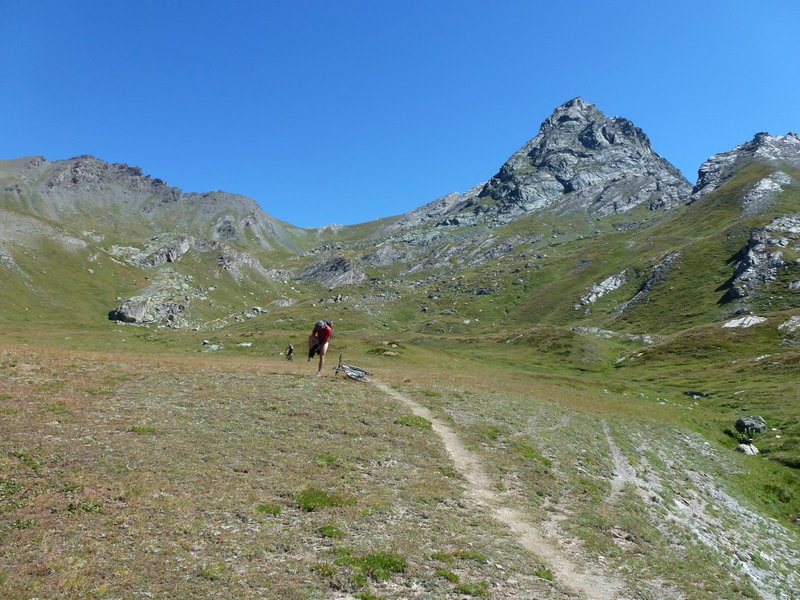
583 160
777 150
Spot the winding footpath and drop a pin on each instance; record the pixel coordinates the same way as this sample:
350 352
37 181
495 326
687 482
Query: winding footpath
591 585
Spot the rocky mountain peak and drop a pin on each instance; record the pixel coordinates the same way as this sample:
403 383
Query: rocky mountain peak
583 160
765 148
87 173
572 115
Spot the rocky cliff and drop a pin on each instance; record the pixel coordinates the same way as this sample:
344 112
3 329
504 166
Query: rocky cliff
583 160
764 148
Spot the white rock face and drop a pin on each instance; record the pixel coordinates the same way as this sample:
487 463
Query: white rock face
743 322
763 148
790 326
764 255
609 284
764 193
747 449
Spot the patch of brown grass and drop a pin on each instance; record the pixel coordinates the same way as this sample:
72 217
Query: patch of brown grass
149 478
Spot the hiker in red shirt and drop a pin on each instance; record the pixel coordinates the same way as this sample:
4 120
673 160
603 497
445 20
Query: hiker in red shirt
318 342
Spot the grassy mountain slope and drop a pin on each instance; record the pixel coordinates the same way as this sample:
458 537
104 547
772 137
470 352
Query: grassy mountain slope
571 394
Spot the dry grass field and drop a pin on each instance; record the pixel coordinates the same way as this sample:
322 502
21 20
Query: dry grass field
128 476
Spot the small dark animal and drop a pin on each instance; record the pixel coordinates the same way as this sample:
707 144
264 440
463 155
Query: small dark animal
290 352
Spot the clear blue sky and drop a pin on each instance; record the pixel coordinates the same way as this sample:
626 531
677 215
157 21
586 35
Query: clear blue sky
346 111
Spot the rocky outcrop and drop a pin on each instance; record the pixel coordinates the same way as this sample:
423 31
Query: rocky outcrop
763 258
584 160
89 174
171 252
162 303
748 449
333 272
384 256
598 290
764 148
436 213
764 193
169 249
744 322
751 424
150 309
237 262
161 249
657 274
491 249
790 330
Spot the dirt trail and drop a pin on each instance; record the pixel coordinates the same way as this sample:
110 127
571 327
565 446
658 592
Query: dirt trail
623 471
480 487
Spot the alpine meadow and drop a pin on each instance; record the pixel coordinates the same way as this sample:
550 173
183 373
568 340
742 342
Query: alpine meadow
582 383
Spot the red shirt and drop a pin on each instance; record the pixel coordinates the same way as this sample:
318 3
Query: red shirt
323 333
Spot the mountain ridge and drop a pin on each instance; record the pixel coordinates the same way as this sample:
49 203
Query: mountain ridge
595 349
607 162
65 190
583 177
592 129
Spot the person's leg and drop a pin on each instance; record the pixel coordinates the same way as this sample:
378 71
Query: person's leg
322 350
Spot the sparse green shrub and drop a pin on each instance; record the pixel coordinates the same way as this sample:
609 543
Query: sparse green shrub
445 574
56 409
83 506
312 499
413 421
432 393
450 472
478 590
731 433
591 488
143 429
544 573
759 561
493 432
376 565
212 572
777 492
331 531
530 452
367 595
269 508
747 434
325 459
324 569
22 524
442 556
382 565
358 579
9 487
470 555
28 460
